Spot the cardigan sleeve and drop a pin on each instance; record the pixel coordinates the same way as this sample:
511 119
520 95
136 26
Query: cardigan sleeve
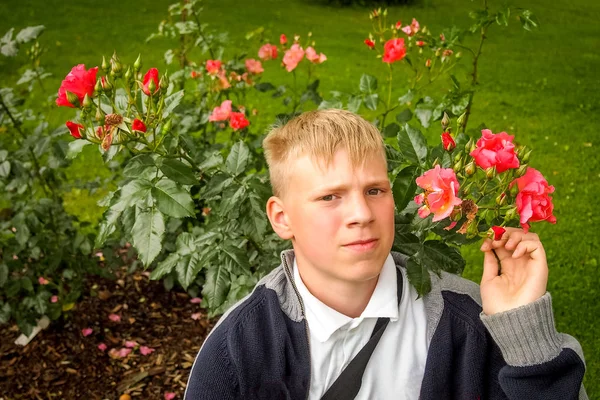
541 363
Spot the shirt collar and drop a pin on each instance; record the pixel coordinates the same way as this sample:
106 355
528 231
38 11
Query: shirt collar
324 321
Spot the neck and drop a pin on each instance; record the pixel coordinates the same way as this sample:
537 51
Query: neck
348 298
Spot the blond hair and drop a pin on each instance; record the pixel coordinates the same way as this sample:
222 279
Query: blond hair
320 134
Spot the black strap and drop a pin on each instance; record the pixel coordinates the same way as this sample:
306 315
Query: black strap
347 385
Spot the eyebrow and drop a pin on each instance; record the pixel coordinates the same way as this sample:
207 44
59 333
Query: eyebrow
343 187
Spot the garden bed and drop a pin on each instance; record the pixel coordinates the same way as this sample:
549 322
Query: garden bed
62 363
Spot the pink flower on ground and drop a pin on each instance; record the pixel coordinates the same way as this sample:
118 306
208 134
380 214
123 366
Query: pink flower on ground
102 347
145 350
533 201
121 353
221 113
196 300
495 150
87 331
79 82
441 188
169 395
254 66
43 281
293 56
282 39
237 121
131 344
267 52
54 299
213 66
196 316
313 57
394 50
75 129
498 232
114 317
411 29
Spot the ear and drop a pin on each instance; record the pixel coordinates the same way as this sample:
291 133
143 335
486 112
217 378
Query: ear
278 218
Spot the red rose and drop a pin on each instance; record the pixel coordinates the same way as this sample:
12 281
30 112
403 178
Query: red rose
75 129
282 39
370 43
79 82
495 150
138 125
420 43
151 76
394 50
213 66
533 201
498 232
237 120
448 142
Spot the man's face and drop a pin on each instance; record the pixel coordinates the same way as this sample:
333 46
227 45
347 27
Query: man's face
341 218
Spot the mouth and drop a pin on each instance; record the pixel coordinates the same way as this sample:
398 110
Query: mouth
362 245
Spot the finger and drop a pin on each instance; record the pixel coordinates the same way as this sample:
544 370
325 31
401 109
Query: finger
490 267
532 247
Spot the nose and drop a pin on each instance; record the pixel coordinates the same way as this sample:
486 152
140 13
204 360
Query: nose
359 210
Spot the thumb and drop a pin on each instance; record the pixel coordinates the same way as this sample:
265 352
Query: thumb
490 267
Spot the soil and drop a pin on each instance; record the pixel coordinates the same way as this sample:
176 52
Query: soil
62 363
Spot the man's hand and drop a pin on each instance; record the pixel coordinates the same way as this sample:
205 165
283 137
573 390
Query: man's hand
520 278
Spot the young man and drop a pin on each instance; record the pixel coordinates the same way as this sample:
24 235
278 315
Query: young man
303 324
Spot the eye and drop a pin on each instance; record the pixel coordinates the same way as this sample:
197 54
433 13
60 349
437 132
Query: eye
329 197
374 191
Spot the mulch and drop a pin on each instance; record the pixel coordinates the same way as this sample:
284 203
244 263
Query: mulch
62 363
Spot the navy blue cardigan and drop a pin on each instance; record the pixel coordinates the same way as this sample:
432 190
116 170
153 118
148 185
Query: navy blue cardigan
260 347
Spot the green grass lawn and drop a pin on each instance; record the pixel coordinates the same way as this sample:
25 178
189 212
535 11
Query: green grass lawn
541 86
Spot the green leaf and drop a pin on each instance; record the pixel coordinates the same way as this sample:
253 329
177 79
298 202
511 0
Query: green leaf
418 276
216 286
186 244
437 255
238 158
29 33
138 165
239 256
171 102
187 268
264 87
368 83
3 274
528 20
371 101
404 116
229 202
216 185
405 186
165 266
391 130
354 103
211 161
4 313
412 145
133 193
424 114
75 148
4 169
3 155
407 98
172 199
178 171
147 234
325 104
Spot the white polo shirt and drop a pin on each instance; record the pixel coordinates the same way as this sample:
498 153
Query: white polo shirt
396 367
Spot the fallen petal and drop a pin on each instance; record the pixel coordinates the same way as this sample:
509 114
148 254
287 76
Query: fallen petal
145 350
87 331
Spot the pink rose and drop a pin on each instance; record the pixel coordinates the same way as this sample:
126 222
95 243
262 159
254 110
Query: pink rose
43 281
254 66
448 142
441 188
293 56
54 299
394 50
75 129
533 201
221 113
223 81
495 150
151 76
267 52
213 66
237 120
79 82
411 29
313 57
